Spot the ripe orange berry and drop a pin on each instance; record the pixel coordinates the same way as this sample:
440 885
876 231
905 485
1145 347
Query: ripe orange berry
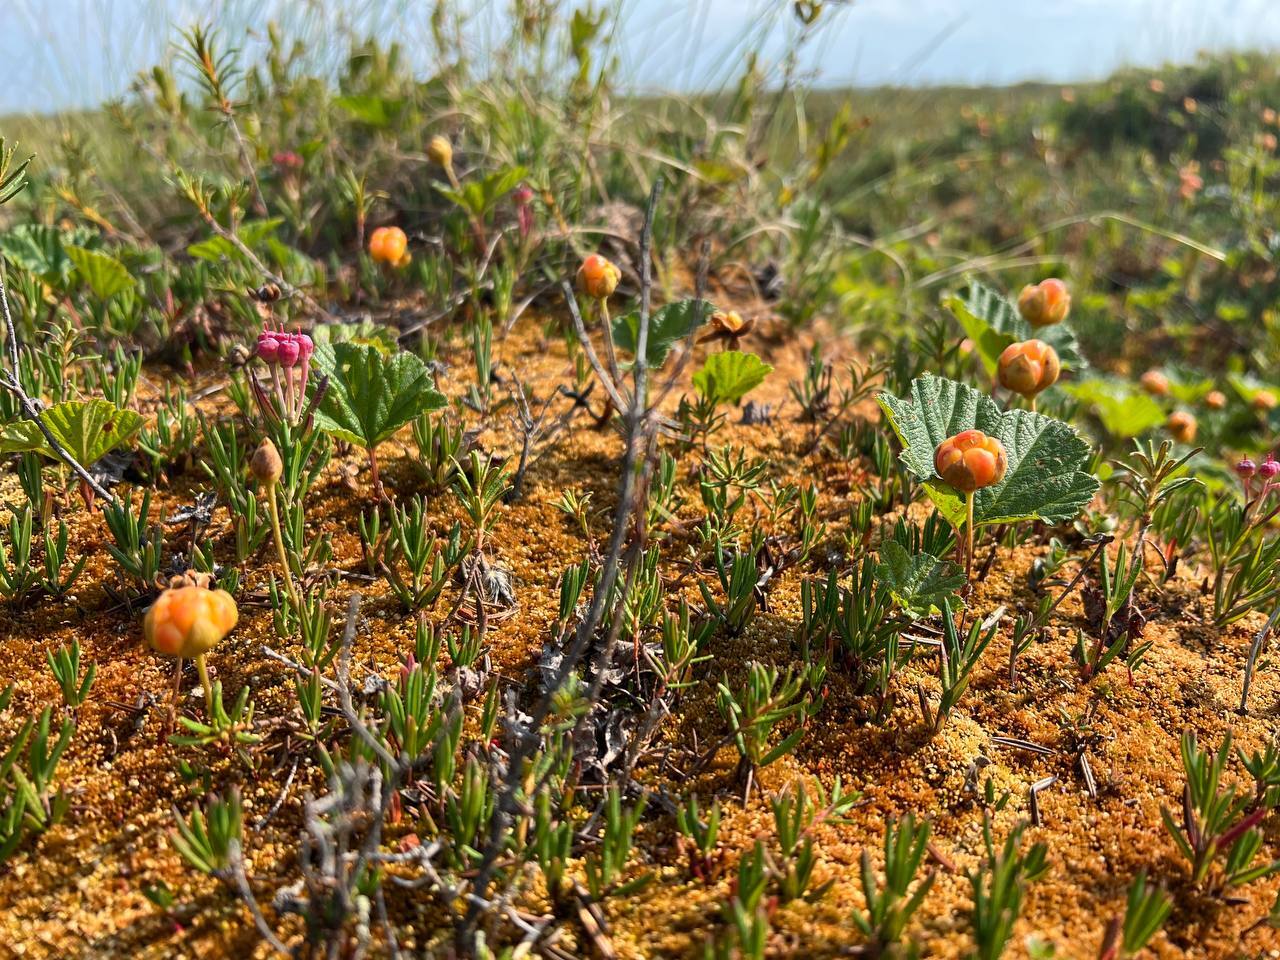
189 621
970 461
1028 367
1155 383
1215 400
598 277
1044 303
1181 426
1264 400
388 245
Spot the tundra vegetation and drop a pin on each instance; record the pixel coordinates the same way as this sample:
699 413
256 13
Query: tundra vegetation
489 514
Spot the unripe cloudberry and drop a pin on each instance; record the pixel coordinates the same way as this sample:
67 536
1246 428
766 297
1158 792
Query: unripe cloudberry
1155 383
970 461
1044 303
1028 367
598 277
188 621
1181 426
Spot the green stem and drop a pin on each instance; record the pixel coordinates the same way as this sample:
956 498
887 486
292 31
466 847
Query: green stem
968 524
274 509
203 668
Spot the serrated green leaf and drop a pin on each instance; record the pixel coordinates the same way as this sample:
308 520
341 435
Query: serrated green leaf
39 249
918 583
86 429
1044 479
382 337
992 322
1123 411
668 325
104 274
368 108
479 196
252 233
729 376
369 396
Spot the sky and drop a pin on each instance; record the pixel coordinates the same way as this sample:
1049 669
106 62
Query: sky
56 54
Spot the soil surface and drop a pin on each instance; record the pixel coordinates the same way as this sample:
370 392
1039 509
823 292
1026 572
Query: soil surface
78 890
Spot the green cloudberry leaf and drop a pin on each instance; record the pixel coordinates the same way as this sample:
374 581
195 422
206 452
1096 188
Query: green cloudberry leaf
1045 479
919 583
86 429
371 396
668 325
104 274
729 376
1123 411
992 322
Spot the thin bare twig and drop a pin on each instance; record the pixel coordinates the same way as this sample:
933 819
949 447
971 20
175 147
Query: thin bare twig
11 380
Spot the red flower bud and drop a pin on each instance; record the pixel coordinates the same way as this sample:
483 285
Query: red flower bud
268 347
970 461
288 353
1245 468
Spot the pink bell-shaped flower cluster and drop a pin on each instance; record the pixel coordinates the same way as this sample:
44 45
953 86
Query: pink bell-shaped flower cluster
288 358
1266 472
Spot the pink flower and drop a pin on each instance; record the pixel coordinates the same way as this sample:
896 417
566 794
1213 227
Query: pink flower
288 355
268 347
289 352
523 197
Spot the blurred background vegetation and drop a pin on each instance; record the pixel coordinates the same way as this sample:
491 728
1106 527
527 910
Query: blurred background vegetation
1152 188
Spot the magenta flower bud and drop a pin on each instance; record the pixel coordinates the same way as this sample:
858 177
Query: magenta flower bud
288 352
305 347
1245 468
268 348
1269 468
523 194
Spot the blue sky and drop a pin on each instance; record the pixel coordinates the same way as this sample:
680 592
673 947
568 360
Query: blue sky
64 53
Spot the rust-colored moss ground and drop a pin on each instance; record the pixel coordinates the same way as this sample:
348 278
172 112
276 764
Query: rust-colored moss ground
77 890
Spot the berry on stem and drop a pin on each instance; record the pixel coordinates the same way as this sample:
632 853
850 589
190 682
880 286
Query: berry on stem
1181 426
598 277
267 468
389 245
1044 303
968 462
1027 368
188 620
1155 383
